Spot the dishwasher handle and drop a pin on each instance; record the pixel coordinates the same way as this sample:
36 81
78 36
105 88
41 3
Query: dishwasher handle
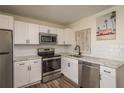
90 66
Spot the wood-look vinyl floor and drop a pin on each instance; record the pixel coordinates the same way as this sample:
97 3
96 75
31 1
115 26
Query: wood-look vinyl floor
57 83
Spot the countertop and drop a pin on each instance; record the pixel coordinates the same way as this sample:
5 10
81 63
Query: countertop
24 58
102 61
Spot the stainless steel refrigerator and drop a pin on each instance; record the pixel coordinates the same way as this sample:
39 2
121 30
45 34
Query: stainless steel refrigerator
6 59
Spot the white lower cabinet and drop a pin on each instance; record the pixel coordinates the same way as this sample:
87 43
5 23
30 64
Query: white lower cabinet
70 68
108 77
35 72
107 82
27 72
74 71
21 73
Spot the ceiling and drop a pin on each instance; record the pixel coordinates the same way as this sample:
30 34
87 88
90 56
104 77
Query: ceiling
60 14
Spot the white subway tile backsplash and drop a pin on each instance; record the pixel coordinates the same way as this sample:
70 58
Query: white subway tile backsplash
26 50
112 51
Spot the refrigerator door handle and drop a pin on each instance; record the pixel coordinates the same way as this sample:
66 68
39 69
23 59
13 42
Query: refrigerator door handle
4 53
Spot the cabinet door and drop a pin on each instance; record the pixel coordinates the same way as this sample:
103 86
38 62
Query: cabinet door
108 77
69 36
70 68
67 66
74 71
61 37
65 37
21 32
64 66
43 29
6 22
52 30
35 70
107 82
33 33
21 73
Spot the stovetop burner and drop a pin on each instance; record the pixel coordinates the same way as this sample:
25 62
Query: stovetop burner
47 53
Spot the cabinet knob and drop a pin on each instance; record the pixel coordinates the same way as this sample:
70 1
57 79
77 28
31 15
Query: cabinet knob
99 76
27 41
68 64
64 42
48 31
29 68
107 71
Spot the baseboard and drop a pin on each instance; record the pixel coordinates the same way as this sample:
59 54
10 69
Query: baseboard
30 84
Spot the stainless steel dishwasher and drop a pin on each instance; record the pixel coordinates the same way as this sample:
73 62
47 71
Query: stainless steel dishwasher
89 75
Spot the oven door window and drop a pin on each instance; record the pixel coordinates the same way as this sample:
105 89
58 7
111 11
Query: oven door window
51 65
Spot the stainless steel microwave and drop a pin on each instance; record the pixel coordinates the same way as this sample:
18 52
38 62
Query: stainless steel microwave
47 38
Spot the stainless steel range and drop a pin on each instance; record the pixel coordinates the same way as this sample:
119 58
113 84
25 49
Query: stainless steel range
51 64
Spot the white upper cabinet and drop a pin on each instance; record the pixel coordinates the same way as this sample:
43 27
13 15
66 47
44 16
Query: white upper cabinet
69 36
6 22
65 37
26 33
52 30
33 33
60 33
21 32
43 29
46 29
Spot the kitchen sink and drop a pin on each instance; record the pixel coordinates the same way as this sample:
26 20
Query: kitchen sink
77 56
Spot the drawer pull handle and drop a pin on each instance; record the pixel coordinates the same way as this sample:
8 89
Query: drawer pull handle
107 71
35 62
68 64
29 68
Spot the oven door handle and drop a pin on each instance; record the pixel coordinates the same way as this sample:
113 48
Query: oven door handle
45 59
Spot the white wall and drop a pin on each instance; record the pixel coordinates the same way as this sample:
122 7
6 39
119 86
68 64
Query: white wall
112 49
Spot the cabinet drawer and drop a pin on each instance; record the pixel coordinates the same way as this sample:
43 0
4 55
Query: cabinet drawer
107 71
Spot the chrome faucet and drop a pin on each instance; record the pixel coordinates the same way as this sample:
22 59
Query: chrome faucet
77 47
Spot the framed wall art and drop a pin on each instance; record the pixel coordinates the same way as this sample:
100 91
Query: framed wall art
106 26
